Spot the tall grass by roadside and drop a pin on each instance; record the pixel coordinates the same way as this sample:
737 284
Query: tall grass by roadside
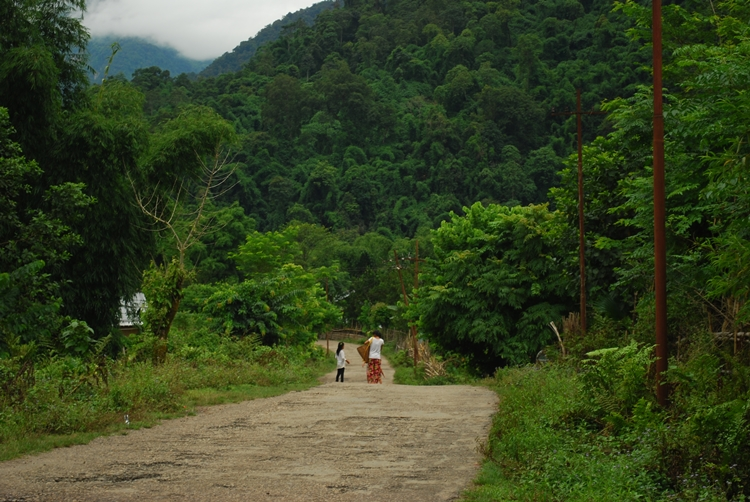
431 369
590 431
67 400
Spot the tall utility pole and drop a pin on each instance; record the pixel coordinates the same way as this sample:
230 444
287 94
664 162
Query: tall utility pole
415 346
581 233
660 241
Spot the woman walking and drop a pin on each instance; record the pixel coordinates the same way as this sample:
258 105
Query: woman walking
374 369
341 362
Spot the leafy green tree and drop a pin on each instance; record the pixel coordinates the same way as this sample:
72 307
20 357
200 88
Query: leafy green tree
263 253
286 306
494 284
211 256
43 67
101 143
78 137
34 242
285 106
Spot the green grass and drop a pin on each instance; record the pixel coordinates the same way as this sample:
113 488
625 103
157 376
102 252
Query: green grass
51 418
38 443
547 444
540 450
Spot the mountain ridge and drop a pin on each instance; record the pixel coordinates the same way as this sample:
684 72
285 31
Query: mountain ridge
234 60
135 53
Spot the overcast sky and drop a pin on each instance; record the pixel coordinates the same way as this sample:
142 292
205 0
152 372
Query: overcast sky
199 29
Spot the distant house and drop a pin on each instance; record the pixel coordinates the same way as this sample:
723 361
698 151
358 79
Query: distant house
130 314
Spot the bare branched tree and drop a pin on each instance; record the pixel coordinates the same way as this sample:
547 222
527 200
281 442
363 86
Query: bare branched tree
186 213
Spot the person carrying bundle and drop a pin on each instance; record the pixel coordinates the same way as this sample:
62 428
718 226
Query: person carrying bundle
374 369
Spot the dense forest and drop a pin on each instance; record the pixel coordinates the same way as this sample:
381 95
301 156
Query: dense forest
276 201
233 61
388 119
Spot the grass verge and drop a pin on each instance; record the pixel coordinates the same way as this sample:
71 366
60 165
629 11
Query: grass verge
551 441
54 416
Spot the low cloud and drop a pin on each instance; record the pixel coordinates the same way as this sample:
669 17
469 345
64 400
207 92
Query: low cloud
198 29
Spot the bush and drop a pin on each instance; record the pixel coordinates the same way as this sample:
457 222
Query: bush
66 394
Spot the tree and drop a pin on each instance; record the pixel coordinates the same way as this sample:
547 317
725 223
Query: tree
77 136
103 141
42 69
494 284
34 241
188 167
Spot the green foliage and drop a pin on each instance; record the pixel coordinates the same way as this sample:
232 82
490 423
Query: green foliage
539 450
212 256
69 394
389 118
38 75
494 285
266 252
178 146
76 338
162 286
616 379
29 309
233 61
36 240
99 146
455 370
287 307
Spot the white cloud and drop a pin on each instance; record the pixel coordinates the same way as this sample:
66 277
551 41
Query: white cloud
199 29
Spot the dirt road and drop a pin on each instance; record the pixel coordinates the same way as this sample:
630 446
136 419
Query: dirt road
335 442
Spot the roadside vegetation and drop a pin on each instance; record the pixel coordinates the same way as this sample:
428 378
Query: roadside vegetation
70 399
588 428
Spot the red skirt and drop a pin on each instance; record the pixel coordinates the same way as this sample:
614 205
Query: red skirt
374 371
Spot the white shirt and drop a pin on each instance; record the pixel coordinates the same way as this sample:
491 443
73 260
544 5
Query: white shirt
375 345
340 359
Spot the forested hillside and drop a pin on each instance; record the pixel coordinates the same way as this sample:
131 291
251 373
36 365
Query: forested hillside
233 61
388 118
134 53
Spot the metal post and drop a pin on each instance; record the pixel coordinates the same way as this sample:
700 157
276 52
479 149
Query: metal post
406 302
400 278
660 246
581 234
581 231
328 334
416 285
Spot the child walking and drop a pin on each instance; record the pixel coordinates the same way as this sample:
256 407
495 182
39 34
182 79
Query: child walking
341 362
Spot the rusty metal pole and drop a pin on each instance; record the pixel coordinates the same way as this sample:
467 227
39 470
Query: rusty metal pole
581 234
328 334
660 246
400 278
406 302
416 285
581 231
416 267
